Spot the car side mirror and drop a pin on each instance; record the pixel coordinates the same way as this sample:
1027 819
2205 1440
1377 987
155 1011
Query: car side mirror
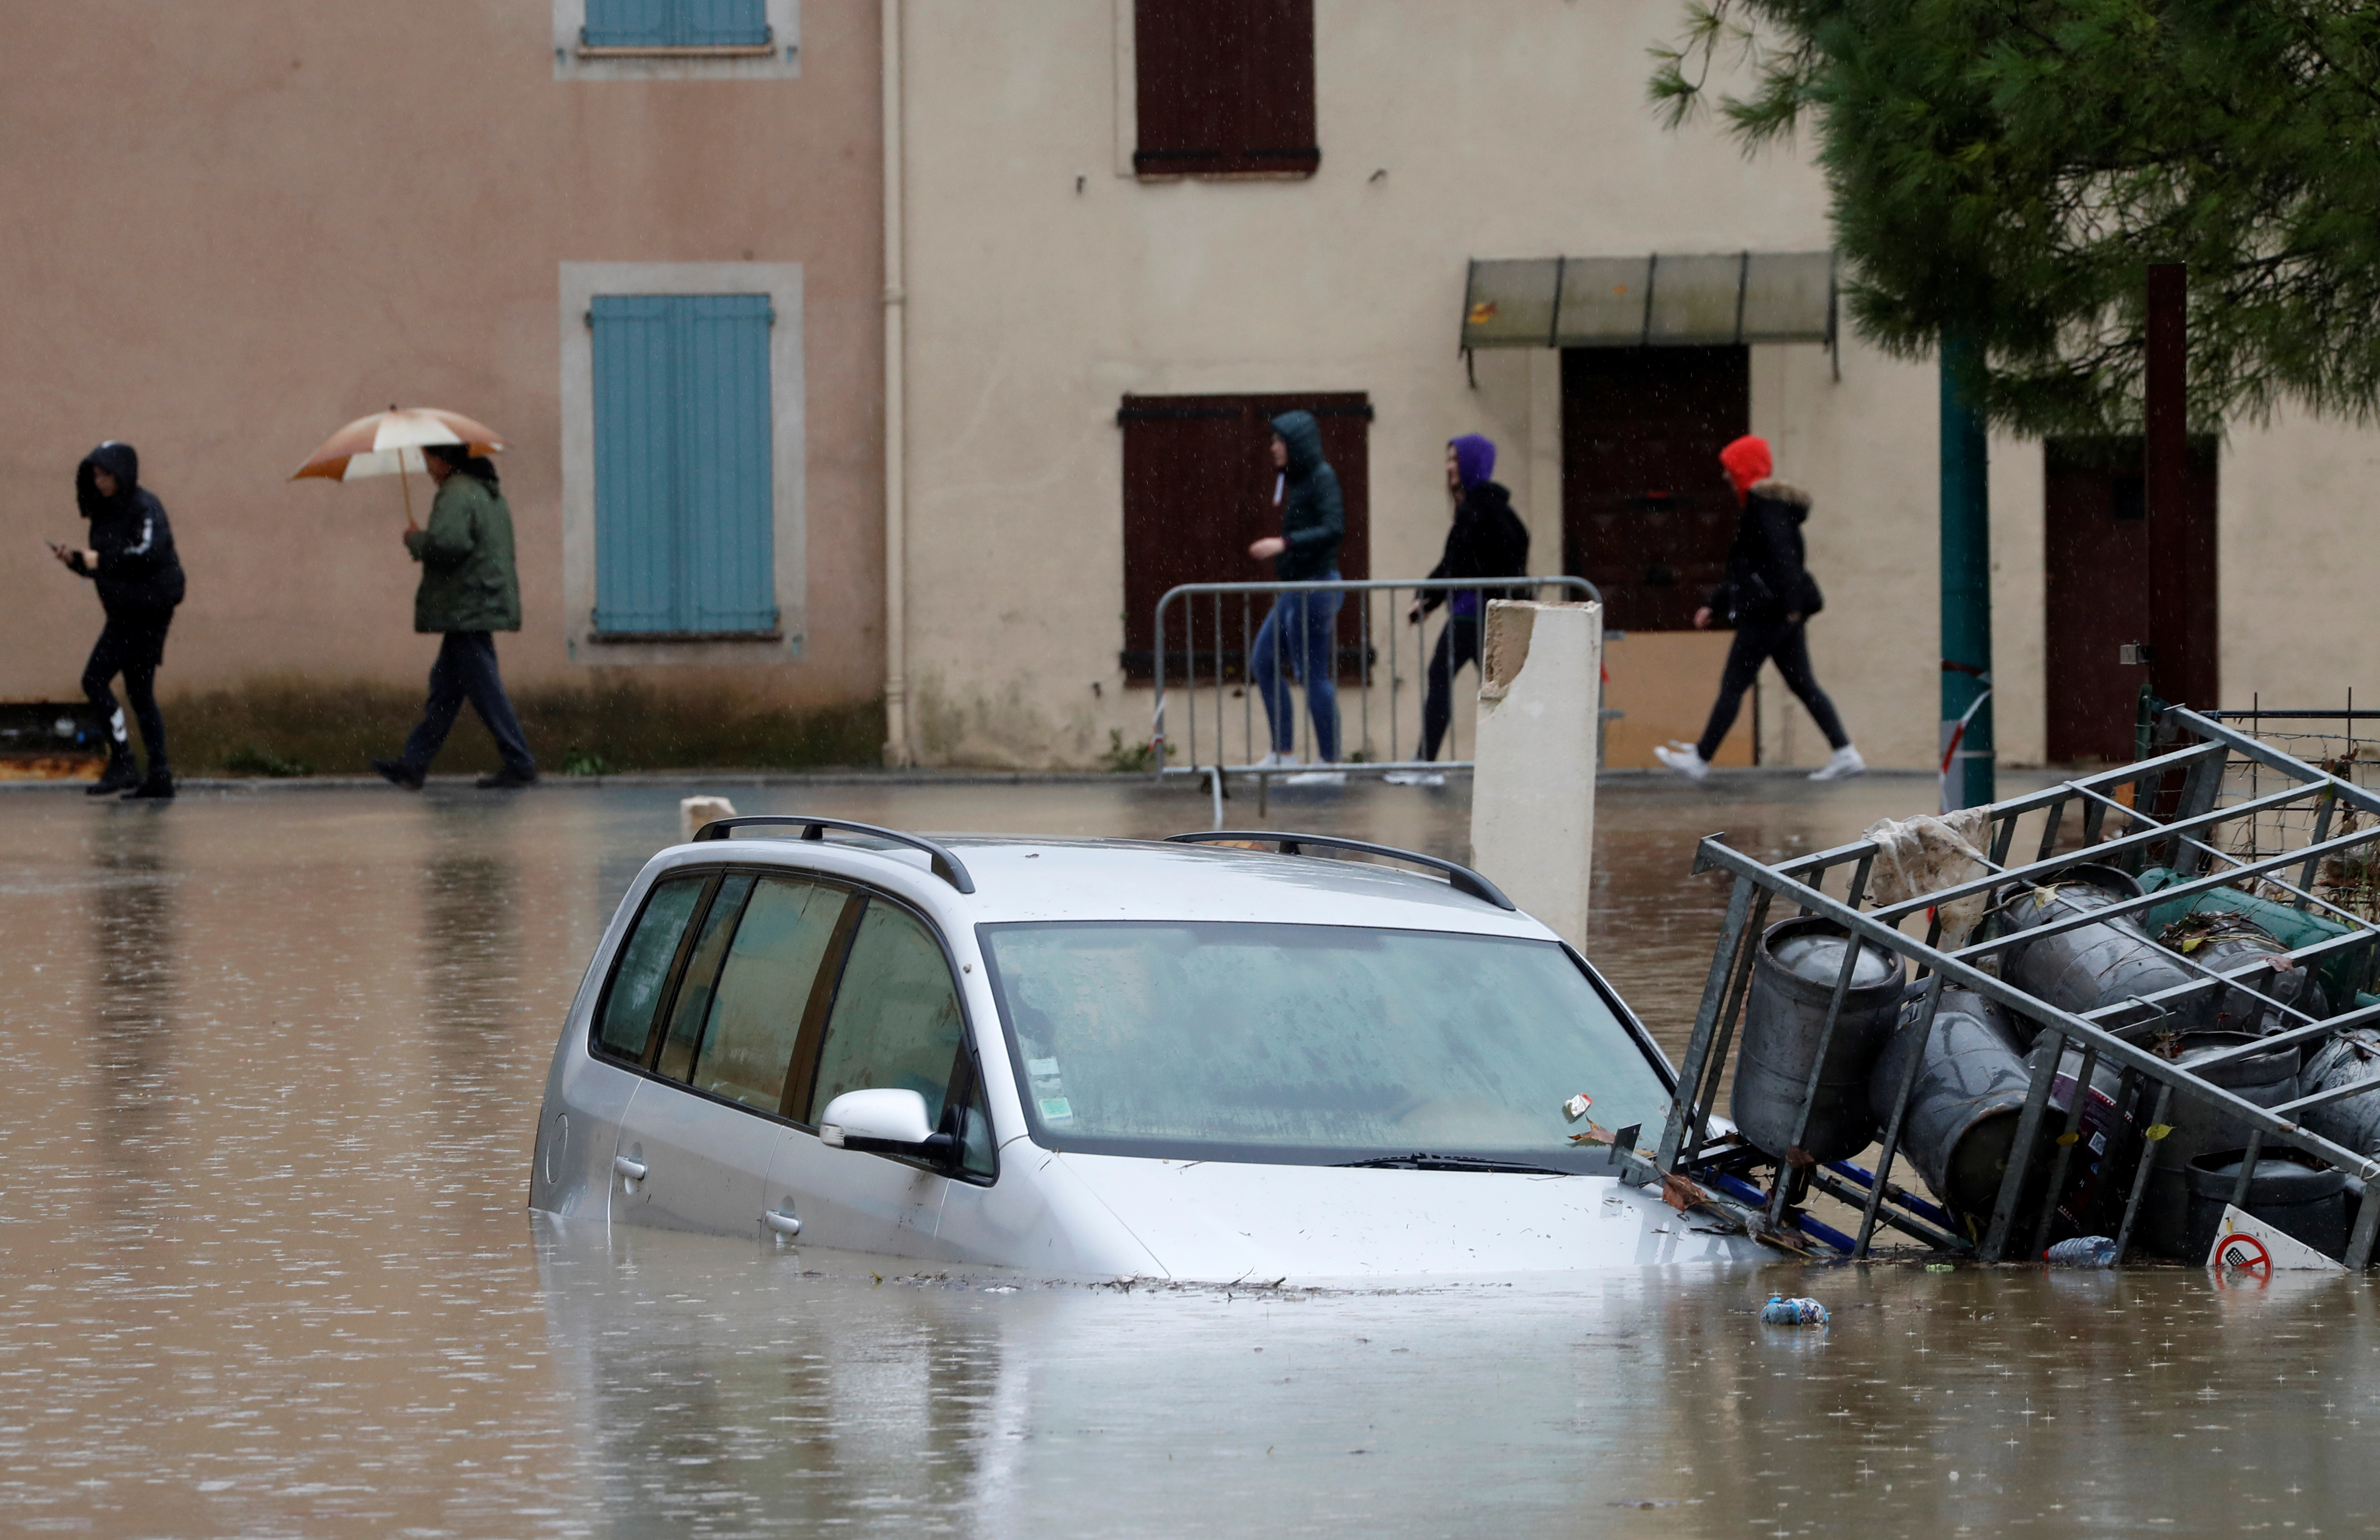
885 1123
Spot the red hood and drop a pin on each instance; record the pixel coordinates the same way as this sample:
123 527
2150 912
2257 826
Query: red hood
1747 462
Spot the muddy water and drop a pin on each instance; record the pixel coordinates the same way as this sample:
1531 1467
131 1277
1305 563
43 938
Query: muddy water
264 1268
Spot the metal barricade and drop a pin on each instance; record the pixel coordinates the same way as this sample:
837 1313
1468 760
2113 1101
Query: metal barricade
2222 813
1370 657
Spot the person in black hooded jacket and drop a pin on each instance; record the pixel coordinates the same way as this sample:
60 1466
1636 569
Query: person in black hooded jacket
1487 540
130 559
1768 596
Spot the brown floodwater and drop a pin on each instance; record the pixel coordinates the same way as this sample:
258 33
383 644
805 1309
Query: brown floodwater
265 1268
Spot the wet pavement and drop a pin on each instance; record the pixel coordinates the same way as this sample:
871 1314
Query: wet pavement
265 1268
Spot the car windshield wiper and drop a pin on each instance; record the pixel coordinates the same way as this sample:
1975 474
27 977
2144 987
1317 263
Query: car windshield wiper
1422 1160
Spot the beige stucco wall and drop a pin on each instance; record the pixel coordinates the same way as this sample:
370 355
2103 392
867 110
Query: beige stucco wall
1046 284
233 228
1509 127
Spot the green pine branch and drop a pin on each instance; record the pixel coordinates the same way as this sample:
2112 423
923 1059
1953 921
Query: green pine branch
2010 168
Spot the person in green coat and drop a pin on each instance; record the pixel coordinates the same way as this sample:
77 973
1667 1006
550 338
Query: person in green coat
469 590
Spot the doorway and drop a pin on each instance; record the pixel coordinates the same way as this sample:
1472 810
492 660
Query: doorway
2097 557
1647 518
1647 515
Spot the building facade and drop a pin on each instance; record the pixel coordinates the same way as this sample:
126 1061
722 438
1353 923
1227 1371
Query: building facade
1132 227
641 238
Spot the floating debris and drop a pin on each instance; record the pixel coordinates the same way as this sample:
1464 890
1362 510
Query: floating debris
2084 1250
1780 1311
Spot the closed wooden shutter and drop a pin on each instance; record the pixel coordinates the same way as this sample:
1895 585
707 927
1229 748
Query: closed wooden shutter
1225 88
684 469
1197 492
676 23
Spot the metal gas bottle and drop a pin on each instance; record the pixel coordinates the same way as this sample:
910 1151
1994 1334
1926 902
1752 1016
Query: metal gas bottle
1793 978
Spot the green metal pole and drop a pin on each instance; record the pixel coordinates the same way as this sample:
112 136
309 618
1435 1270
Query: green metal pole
1966 583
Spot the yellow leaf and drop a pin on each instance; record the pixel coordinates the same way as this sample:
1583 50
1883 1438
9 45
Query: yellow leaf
2068 1138
2156 1131
2192 945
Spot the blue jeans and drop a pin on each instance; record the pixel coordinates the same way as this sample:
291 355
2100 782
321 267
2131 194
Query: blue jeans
1301 631
465 669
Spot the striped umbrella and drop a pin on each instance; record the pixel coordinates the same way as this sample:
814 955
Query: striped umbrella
389 444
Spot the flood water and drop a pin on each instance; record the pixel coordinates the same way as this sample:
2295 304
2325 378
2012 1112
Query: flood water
265 1270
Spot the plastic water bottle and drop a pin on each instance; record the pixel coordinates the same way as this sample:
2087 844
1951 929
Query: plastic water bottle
2084 1250
1780 1311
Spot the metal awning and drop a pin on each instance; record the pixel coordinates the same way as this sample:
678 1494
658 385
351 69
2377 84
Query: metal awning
1734 296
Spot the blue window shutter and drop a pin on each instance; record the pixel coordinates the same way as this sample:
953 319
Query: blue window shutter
684 464
630 23
721 23
725 418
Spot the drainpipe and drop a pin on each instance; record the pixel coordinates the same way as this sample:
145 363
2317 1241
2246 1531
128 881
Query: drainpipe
1966 742
896 485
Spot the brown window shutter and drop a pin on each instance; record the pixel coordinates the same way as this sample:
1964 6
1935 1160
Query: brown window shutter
1225 88
1197 492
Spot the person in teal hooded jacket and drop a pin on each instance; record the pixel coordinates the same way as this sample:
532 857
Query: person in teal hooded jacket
1299 632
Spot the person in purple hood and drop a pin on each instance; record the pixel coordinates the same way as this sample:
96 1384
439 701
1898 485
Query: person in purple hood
1488 540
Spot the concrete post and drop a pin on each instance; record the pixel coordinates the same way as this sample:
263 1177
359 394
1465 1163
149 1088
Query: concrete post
694 812
1533 792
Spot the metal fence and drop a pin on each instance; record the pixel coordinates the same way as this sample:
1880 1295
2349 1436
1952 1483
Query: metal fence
2337 741
2226 812
1378 660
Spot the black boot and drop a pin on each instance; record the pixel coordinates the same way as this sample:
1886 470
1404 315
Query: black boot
156 786
120 772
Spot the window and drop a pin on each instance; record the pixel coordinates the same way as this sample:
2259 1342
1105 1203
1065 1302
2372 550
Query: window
676 24
1225 88
1314 1044
1197 489
683 475
691 1005
624 1022
779 993
788 927
896 1023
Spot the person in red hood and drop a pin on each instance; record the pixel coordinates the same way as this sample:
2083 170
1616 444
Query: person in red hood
1768 597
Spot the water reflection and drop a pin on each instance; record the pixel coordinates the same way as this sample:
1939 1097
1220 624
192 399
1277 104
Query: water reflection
134 953
471 964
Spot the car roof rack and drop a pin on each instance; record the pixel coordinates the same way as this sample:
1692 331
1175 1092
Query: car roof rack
1463 880
947 866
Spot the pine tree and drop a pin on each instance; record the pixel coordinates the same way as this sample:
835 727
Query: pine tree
2007 169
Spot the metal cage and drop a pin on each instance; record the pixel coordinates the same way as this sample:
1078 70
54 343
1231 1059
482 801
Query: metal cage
2219 810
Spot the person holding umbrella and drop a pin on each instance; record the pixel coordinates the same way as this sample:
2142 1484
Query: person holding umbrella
131 560
469 590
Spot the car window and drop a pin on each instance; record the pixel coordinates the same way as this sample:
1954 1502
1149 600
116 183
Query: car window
896 1022
625 1026
756 1011
1239 1040
692 1006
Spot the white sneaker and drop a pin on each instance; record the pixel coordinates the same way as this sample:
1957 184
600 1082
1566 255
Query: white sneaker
1415 778
1683 759
1315 778
1845 763
1274 761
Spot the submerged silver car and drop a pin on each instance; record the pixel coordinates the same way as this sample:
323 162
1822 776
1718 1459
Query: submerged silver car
1101 1058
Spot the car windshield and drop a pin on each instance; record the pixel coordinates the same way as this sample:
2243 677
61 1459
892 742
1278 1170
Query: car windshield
1315 1044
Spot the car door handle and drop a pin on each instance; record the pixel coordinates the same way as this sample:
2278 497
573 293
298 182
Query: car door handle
633 1170
782 1222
